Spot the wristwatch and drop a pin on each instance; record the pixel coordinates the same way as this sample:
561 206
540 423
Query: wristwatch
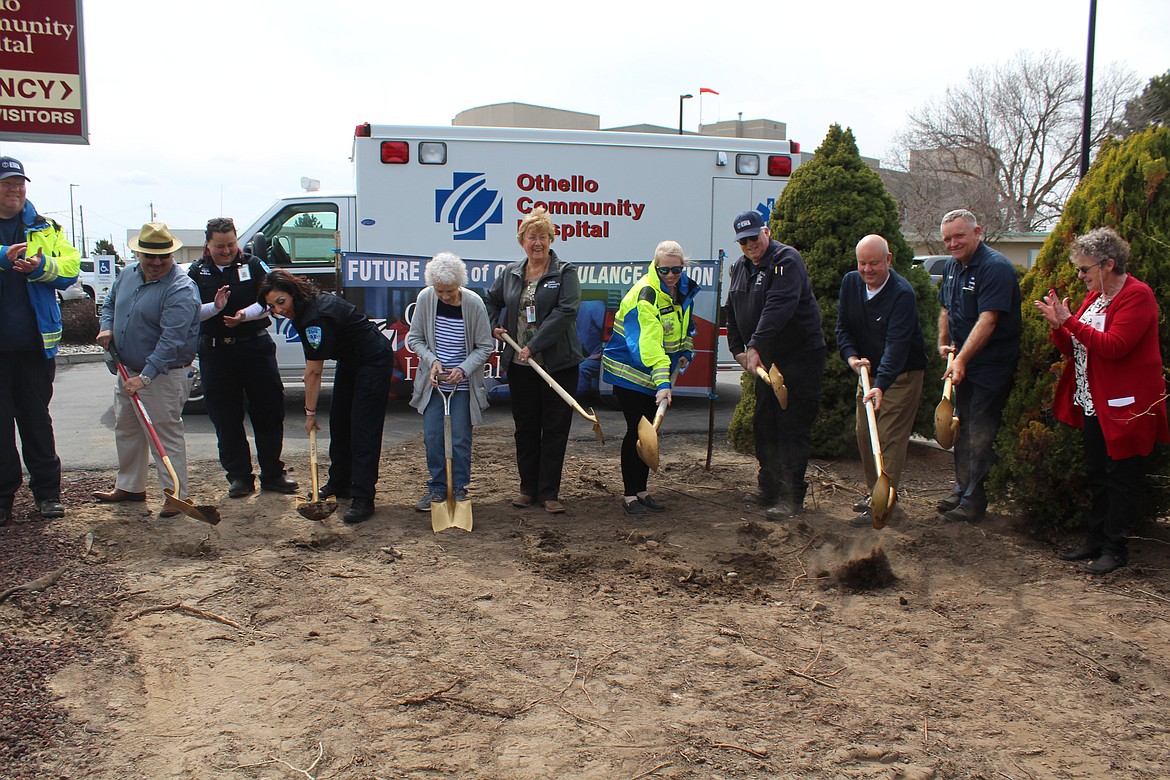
145 380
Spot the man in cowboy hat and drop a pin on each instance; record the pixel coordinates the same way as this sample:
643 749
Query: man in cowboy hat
150 321
35 262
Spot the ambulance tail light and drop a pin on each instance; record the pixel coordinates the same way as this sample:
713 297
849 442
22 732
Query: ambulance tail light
362 131
395 152
794 147
779 165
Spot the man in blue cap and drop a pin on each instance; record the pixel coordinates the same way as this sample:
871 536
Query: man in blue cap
35 262
773 319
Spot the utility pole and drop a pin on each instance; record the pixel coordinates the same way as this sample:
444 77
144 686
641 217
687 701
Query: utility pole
81 213
72 226
1087 118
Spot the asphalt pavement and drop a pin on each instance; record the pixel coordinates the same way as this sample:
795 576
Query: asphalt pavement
83 418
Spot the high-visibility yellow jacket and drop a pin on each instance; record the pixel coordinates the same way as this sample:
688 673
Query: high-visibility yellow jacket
58 269
651 331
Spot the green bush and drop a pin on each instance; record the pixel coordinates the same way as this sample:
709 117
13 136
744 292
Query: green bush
829 205
740 431
1041 462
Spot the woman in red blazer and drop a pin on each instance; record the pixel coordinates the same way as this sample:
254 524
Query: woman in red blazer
1111 387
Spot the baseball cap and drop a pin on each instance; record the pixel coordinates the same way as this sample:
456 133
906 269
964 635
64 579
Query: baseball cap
748 225
10 166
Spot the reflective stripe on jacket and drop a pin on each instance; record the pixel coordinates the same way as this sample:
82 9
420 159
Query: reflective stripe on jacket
58 269
650 333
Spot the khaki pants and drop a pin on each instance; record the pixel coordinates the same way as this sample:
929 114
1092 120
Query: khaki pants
164 401
895 423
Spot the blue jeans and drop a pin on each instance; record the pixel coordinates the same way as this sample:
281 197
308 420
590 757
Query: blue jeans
460 441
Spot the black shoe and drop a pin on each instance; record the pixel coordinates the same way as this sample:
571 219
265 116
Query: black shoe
50 508
329 489
759 499
281 484
424 503
1086 552
949 503
359 511
863 520
240 488
633 508
651 504
782 510
1105 564
964 513
862 505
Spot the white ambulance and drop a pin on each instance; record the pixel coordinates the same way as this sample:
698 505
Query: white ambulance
613 197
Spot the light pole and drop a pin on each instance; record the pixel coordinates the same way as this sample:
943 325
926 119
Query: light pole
681 98
72 227
1087 108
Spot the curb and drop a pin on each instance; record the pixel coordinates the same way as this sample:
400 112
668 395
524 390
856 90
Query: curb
80 357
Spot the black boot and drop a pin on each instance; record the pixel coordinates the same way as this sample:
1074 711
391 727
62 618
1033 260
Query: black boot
360 510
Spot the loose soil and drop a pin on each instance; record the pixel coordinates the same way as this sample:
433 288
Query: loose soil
705 642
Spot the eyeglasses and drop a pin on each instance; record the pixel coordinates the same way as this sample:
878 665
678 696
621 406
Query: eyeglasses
148 256
746 241
1084 269
665 270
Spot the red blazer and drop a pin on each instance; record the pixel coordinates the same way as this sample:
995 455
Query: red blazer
1124 371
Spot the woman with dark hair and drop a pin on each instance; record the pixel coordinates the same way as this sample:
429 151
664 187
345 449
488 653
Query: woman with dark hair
538 298
332 329
1112 387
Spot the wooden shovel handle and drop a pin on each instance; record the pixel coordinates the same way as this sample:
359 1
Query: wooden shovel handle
871 418
948 387
569 399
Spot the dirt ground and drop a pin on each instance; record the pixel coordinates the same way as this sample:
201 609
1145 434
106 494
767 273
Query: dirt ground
706 642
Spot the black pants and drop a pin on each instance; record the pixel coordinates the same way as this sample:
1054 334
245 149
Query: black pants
543 420
233 374
1115 488
357 415
979 408
26 387
784 436
635 405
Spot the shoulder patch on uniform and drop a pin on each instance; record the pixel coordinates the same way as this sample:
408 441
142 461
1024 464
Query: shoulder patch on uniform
648 294
313 335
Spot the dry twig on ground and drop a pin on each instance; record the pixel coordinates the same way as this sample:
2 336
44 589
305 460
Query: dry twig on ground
186 609
36 586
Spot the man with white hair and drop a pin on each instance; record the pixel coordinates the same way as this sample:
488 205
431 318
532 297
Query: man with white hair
877 327
980 325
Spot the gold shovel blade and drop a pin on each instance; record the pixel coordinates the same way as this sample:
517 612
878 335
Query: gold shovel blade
647 444
450 513
205 512
944 428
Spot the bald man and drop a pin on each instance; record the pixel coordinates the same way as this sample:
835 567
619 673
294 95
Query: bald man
877 327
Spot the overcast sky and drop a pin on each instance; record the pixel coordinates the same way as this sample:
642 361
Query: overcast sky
216 107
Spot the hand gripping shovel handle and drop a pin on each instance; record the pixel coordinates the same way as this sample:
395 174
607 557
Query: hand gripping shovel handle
162 453
569 399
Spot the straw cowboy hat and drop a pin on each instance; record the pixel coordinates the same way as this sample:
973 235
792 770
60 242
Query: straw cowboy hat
155 239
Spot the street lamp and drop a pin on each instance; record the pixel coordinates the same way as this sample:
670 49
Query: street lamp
72 227
681 98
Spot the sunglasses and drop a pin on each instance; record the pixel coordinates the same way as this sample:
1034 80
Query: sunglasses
1084 269
746 241
665 270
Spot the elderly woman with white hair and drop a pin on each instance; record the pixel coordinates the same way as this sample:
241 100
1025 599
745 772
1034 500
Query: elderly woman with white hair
449 332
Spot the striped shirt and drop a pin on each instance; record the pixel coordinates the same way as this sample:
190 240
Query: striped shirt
450 341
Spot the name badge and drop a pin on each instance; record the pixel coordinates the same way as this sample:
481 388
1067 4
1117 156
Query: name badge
1097 322
245 273
530 313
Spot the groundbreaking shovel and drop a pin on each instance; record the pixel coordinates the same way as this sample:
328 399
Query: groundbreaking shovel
774 378
647 444
882 497
946 424
205 512
450 512
569 399
315 507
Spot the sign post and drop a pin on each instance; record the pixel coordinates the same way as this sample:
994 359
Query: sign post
42 83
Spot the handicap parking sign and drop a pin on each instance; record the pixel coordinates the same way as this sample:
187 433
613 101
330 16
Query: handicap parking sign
103 266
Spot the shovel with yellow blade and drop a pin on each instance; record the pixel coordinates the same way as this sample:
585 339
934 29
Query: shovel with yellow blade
647 444
776 381
882 498
946 424
449 512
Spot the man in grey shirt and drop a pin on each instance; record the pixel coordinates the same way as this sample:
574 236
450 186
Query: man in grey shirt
151 320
